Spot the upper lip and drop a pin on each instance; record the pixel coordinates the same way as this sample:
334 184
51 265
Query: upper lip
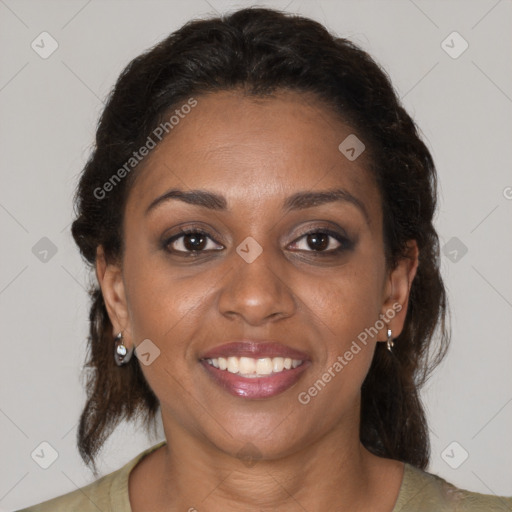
254 349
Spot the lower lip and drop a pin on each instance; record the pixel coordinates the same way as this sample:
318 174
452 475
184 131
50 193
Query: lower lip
256 387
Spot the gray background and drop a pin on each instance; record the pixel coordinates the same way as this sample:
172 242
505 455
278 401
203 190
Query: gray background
49 108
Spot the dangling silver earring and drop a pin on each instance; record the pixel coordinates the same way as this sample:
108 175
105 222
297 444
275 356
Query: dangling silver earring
121 354
390 342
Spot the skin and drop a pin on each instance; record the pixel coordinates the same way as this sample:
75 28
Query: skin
256 153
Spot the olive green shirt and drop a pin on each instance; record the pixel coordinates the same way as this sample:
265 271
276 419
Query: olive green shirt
419 492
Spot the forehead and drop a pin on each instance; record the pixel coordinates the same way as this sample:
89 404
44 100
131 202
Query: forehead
255 152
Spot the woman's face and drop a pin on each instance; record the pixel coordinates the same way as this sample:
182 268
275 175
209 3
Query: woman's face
256 273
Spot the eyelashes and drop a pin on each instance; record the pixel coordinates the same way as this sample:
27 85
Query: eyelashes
195 242
200 236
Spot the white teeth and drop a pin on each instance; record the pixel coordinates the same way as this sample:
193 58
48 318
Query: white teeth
264 366
232 364
246 365
278 364
250 367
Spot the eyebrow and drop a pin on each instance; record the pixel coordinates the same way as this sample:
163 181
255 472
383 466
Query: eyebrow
298 201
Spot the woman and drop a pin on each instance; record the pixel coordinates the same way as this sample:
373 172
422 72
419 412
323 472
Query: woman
259 214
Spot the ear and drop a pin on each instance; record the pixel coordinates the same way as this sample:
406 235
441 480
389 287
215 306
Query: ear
396 291
111 282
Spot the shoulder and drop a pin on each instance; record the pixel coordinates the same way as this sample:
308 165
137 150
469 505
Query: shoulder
92 497
422 491
108 494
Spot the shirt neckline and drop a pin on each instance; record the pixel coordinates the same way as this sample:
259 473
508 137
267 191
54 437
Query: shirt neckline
120 497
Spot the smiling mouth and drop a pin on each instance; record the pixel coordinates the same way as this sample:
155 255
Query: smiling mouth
253 368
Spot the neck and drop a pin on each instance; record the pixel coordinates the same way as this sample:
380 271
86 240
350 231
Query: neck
335 468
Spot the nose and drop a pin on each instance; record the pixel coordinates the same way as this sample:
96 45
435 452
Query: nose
257 291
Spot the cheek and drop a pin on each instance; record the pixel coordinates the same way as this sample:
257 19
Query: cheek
343 312
161 304
170 312
347 303
344 309
159 298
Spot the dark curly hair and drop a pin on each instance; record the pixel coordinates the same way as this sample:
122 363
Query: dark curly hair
261 51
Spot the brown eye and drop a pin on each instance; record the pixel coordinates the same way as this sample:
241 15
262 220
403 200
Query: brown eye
318 241
322 241
189 242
